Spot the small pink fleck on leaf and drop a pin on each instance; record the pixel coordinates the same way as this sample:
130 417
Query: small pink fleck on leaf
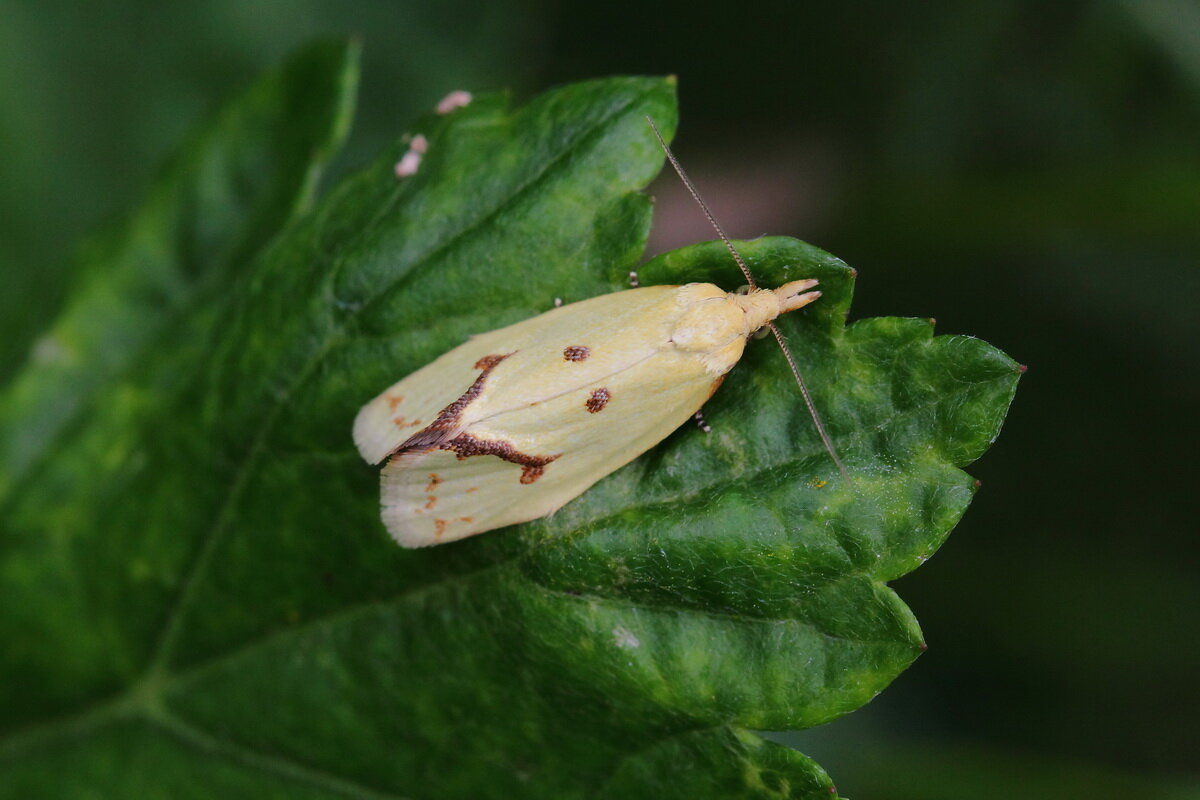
456 99
410 162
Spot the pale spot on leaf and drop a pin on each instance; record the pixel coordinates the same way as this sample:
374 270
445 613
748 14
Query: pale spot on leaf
47 350
625 639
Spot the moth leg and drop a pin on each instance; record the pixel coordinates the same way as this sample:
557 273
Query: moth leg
633 279
700 423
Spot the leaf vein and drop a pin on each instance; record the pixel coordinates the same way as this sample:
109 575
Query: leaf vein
271 763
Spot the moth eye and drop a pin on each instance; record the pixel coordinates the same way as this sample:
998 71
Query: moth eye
744 290
761 333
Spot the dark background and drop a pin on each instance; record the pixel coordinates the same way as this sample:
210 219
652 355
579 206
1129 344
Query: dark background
1027 172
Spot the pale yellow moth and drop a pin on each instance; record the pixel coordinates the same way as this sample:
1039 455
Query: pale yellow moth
515 423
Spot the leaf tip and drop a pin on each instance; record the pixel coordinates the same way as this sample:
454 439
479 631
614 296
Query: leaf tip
1022 369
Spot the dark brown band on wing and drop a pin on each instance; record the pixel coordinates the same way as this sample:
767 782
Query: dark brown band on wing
465 445
436 432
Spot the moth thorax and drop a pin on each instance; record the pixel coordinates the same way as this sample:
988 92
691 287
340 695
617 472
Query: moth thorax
711 327
709 320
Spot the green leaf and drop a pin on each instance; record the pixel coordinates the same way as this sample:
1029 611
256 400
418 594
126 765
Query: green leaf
221 613
215 204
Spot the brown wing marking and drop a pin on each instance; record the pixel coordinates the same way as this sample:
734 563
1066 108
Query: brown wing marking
465 445
577 352
442 428
439 434
598 400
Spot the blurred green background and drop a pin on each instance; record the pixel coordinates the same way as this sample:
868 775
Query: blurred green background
1026 172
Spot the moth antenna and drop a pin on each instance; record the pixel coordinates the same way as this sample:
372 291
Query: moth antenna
703 206
808 401
787 353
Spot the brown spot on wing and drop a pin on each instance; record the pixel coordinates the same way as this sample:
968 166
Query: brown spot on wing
394 400
577 352
434 480
598 400
465 445
488 363
439 528
431 502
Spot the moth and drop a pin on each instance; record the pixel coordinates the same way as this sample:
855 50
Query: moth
515 423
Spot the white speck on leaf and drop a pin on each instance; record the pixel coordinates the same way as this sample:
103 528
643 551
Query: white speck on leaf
47 350
625 639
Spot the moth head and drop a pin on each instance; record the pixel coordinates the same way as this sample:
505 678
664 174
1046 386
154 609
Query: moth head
760 306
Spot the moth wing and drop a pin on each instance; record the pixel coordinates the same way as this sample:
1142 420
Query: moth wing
432 497
582 435
613 329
